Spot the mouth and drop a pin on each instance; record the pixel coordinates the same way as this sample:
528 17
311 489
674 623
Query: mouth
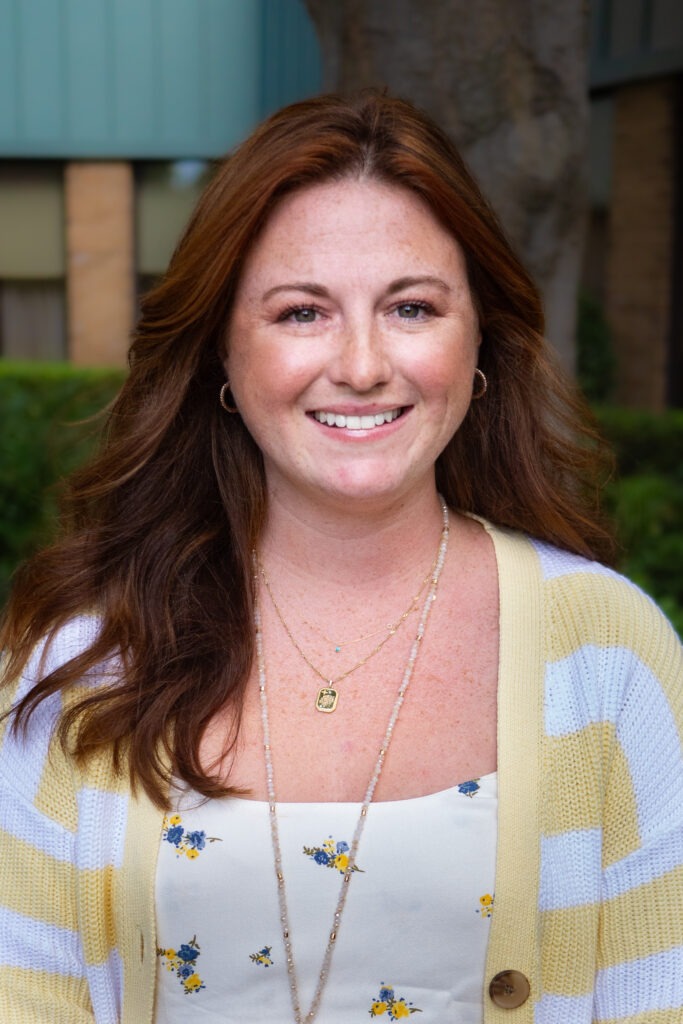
352 422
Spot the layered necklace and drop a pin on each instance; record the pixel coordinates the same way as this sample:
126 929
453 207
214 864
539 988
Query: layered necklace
328 695
300 1017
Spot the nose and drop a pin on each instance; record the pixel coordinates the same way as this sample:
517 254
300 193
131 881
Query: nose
362 360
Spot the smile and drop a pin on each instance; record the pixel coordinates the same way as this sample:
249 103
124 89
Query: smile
335 419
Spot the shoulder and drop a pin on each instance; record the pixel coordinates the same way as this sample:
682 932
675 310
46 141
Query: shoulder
589 603
30 747
584 597
51 653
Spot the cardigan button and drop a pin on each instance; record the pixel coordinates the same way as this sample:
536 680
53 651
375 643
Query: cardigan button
509 989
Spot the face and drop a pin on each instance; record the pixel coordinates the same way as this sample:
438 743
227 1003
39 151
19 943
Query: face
352 343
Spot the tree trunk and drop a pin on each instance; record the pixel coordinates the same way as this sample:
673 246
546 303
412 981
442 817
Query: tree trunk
507 79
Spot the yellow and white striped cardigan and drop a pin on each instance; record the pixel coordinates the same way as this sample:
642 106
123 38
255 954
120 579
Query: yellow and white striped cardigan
589 876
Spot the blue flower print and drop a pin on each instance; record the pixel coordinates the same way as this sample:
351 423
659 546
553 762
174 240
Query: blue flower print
387 1002
186 843
187 953
263 957
174 835
195 840
469 788
331 854
183 963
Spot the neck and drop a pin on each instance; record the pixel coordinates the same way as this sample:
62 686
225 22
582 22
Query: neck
356 545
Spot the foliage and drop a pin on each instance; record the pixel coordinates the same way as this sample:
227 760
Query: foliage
42 412
645 442
646 500
648 511
43 408
595 359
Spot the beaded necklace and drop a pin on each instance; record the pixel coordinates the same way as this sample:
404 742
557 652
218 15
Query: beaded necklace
299 1016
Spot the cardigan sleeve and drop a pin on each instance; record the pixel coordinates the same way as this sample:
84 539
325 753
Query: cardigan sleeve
42 969
640 943
51 965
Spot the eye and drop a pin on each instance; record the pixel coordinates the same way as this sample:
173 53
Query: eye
413 310
300 314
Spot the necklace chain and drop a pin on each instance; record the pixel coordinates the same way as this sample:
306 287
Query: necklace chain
390 627
299 1016
327 696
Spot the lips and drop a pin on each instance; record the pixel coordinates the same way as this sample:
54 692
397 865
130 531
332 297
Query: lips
353 422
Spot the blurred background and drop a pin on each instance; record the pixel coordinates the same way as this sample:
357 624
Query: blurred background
112 113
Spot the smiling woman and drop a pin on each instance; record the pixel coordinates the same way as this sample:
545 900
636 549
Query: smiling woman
352 344
325 704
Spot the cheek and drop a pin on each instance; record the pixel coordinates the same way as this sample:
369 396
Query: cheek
447 373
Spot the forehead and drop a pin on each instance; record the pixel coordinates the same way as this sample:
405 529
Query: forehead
358 219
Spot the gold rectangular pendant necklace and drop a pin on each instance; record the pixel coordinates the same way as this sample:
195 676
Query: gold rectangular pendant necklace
328 695
327 698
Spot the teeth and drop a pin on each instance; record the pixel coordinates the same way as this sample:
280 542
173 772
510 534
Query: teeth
334 419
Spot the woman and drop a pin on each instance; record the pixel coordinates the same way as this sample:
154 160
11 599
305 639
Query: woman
322 706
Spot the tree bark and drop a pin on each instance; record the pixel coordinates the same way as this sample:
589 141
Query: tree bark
507 79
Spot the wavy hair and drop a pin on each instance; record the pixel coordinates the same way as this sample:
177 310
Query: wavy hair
158 529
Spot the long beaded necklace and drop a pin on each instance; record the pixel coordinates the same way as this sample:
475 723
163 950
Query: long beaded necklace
299 1016
327 698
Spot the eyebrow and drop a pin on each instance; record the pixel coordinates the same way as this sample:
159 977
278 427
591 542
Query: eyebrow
396 286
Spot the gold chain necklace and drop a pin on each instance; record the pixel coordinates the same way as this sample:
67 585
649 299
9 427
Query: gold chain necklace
299 1016
390 628
328 696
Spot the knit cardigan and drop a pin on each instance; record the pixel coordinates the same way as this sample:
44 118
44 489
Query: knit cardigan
589 873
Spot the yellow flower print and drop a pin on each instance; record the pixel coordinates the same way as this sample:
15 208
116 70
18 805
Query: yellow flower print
387 1002
486 905
185 841
332 854
263 957
183 962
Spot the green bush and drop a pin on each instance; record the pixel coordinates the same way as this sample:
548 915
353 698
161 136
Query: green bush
43 406
645 442
648 512
42 409
595 360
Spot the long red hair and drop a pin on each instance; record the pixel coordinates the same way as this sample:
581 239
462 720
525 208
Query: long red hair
158 528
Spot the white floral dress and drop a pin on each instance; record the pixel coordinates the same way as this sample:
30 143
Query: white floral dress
414 931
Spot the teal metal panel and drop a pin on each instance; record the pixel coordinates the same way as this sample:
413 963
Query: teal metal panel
137 99
87 36
635 40
9 121
291 67
131 79
40 67
234 69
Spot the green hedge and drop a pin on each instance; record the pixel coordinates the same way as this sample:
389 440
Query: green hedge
43 406
42 412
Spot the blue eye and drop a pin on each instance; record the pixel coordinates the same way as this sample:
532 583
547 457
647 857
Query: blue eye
411 310
300 314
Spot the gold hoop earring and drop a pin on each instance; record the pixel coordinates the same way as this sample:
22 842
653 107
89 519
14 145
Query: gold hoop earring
225 390
483 384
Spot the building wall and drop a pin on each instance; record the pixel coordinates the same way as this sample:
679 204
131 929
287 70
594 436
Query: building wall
636 229
110 113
